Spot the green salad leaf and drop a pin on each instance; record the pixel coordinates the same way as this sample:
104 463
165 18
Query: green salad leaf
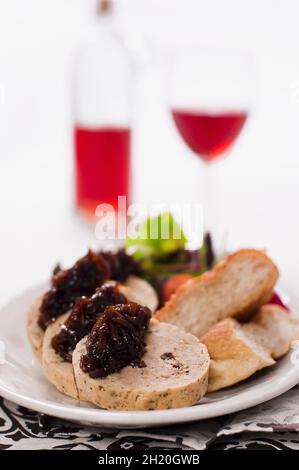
158 237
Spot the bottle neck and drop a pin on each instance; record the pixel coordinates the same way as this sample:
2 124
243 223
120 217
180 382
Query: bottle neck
105 18
104 7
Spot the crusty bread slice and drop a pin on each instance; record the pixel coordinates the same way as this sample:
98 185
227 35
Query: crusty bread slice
234 355
59 372
175 376
274 328
237 287
238 350
135 289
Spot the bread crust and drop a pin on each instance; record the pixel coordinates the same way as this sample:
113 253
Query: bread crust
159 385
274 328
219 293
238 350
233 357
59 372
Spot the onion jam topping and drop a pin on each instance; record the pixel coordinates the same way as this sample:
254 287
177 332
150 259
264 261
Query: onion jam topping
116 340
121 265
67 285
82 318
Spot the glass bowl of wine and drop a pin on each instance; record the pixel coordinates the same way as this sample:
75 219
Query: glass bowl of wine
210 96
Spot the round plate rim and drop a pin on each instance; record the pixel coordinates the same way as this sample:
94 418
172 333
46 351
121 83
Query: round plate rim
138 419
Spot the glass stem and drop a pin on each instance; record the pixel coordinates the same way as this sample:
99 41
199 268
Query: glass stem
209 199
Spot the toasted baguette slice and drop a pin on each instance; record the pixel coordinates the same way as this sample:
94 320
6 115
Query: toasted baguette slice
174 380
235 356
59 372
274 328
238 350
236 287
135 289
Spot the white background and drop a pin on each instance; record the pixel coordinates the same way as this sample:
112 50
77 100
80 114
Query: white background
258 183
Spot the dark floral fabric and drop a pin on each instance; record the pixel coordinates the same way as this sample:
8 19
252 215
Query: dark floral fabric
272 425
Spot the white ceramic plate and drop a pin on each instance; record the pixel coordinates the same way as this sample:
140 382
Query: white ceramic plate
22 381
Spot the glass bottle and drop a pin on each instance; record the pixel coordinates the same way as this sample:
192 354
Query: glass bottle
103 127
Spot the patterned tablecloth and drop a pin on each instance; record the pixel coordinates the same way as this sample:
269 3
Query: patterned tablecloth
274 424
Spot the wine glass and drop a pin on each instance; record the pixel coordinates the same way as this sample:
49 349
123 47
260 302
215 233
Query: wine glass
210 97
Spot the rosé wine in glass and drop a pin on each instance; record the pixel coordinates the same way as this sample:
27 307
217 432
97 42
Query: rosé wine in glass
209 135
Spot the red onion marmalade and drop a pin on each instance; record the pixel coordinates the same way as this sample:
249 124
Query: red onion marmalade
116 340
68 285
82 318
